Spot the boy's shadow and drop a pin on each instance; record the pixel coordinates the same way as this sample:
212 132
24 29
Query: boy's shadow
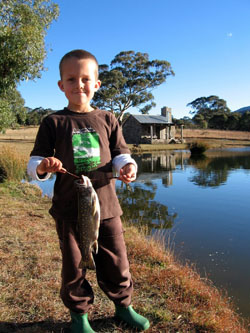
110 324
105 325
34 327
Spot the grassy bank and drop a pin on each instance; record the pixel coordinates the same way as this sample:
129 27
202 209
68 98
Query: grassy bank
212 144
22 139
172 296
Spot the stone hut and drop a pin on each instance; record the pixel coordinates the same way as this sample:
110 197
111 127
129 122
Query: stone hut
150 129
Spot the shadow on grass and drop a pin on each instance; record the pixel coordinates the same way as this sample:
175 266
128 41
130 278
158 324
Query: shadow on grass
34 327
105 325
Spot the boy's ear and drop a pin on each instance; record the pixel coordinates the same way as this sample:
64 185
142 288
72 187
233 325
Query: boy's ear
97 85
60 85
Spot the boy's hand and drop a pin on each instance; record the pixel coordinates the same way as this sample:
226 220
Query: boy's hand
128 173
50 164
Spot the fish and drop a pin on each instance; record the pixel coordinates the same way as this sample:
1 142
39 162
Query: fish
88 221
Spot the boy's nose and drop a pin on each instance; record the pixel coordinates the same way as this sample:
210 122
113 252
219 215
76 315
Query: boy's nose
80 84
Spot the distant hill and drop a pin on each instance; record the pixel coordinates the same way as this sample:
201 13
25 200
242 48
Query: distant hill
243 110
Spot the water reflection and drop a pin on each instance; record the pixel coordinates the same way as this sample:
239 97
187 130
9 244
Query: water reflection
214 171
210 170
139 207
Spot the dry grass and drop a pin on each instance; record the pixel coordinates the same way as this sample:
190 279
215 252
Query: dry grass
172 296
13 164
26 133
22 139
214 134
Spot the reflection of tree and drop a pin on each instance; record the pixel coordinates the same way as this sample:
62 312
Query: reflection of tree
214 172
139 207
209 178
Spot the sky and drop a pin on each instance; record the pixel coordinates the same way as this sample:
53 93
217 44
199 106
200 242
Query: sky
207 43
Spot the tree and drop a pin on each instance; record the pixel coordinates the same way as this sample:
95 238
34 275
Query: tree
186 121
12 109
218 121
204 108
35 116
23 26
200 120
129 82
7 117
245 121
233 121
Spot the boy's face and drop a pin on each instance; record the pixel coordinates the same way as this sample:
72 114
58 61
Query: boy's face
79 83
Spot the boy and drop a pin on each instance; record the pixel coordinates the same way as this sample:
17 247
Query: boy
84 140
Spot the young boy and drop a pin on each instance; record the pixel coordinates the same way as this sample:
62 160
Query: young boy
84 140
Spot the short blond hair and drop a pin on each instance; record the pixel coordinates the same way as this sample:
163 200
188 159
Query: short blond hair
79 54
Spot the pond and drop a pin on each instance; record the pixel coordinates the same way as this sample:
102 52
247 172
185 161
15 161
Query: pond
201 208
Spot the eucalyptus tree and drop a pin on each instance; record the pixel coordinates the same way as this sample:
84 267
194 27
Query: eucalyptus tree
205 108
244 123
129 81
23 27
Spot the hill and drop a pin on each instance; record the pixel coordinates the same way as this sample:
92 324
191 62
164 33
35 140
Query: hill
243 110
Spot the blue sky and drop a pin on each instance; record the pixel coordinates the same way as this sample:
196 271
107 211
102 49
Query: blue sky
207 43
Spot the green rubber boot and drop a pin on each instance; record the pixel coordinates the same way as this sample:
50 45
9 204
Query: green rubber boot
133 319
80 323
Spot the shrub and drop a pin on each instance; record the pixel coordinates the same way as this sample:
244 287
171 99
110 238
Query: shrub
12 165
197 147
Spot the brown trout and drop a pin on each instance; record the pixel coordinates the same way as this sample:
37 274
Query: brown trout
88 221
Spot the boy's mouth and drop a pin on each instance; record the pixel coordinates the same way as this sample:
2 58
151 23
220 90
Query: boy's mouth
80 92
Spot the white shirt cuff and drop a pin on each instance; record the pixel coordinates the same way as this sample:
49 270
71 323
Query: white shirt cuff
120 161
31 168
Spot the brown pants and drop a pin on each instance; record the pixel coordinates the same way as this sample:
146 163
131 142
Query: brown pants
112 266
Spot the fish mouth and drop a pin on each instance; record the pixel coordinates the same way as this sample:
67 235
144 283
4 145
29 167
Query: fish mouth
83 181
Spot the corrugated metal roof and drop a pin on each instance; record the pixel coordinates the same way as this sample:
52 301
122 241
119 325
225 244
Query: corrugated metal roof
147 119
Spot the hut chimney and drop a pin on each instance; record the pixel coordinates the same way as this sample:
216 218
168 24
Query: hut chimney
167 112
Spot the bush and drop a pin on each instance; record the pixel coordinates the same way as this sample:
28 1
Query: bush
197 147
12 165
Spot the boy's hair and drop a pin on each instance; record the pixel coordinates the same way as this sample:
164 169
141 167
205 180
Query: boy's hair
79 54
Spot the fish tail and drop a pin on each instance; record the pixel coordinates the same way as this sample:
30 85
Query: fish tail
90 264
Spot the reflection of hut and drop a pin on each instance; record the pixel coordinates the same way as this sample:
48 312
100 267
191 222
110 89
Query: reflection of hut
156 163
139 129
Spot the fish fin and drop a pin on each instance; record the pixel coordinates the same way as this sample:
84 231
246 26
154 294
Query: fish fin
95 205
95 247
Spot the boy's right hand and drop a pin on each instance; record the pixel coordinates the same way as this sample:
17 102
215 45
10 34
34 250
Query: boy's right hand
50 164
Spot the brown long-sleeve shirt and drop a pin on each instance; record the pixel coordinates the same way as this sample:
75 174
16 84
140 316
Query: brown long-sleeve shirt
85 143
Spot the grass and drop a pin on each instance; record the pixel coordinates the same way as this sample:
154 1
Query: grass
12 164
22 139
174 297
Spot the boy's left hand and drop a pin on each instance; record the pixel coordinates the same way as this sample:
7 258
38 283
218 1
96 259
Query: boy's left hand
128 173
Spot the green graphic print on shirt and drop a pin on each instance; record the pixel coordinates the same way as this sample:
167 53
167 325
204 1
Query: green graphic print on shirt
86 150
